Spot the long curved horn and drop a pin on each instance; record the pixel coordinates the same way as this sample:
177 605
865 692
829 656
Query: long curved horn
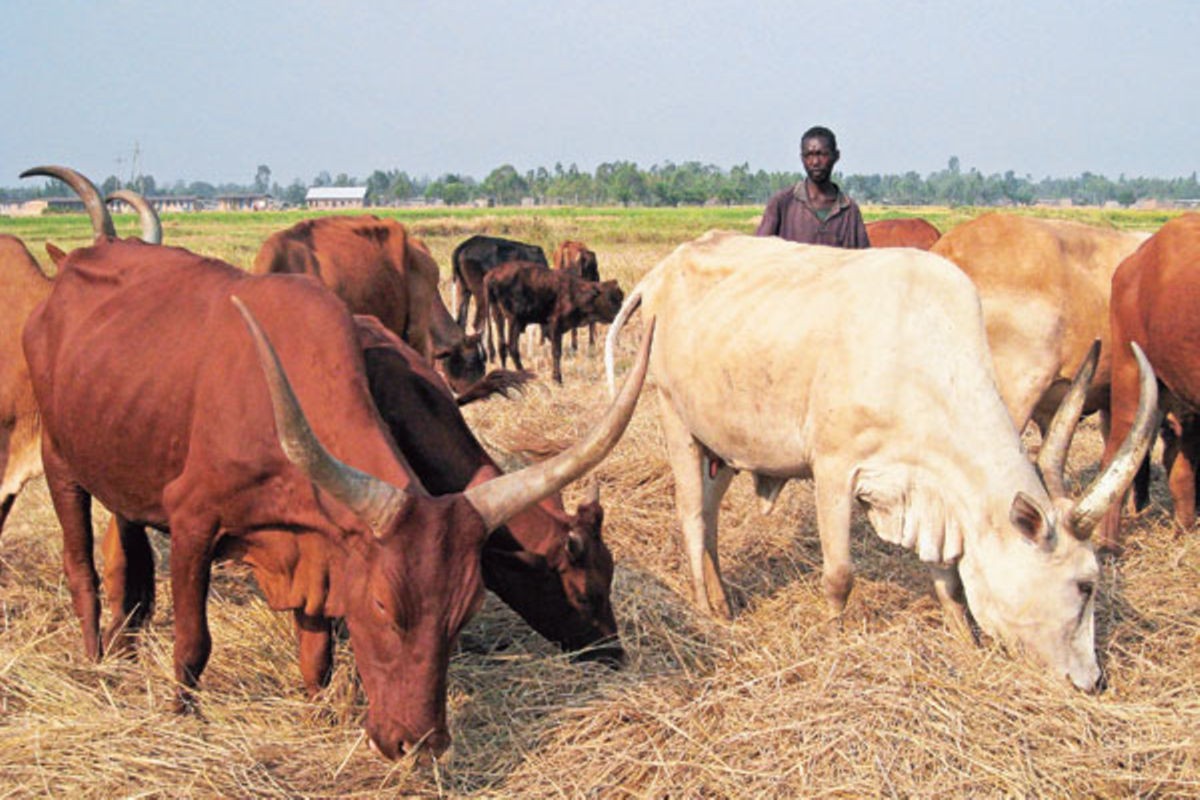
610 341
502 498
151 226
102 224
376 502
1111 484
1053 456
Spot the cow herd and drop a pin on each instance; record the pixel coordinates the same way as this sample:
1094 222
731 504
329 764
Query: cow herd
303 419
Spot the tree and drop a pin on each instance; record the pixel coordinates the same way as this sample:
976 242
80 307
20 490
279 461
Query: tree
110 185
505 185
262 179
295 193
377 186
323 179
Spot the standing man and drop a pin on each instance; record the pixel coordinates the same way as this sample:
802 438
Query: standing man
815 211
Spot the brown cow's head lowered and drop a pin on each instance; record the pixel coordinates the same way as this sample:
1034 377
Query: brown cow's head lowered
402 636
564 594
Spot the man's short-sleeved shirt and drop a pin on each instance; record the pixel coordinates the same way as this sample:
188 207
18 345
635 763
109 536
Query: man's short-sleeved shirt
789 216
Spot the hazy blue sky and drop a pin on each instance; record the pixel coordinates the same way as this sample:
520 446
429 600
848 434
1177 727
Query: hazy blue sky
211 89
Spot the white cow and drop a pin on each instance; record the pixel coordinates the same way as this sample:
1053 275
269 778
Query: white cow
869 371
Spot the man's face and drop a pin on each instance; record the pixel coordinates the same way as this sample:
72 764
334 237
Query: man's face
818 158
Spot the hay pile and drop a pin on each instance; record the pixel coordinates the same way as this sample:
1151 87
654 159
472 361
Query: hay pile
782 703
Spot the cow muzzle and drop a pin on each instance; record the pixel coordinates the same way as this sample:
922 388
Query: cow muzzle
392 748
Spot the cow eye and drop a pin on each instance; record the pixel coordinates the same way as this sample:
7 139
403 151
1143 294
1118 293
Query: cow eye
1087 589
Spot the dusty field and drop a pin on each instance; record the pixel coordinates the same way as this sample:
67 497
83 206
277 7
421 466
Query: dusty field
781 703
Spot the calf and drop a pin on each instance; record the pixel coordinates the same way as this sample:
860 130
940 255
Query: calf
475 258
523 293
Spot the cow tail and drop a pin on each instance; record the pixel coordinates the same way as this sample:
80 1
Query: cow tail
610 341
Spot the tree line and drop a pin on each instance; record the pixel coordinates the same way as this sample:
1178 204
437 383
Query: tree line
670 184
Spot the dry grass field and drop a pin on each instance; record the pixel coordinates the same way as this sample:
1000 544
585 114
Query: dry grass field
781 703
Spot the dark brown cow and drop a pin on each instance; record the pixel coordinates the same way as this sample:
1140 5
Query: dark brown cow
576 258
153 402
902 232
475 258
552 568
525 293
1156 303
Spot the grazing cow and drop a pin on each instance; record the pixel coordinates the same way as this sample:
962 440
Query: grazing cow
1156 303
576 258
902 232
868 370
1044 285
154 401
524 293
475 258
23 286
368 262
552 568
377 268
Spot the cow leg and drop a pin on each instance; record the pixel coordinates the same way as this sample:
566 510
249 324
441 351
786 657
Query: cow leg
191 565
73 505
834 501
947 585
515 329
128 582
697 502
314 635
591 337
1180 451
556 337
575 340
5 507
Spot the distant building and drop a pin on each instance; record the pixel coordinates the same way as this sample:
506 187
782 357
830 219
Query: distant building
336 197
243 201
161 203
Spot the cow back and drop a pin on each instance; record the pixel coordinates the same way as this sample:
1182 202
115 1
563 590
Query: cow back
902 232
144 371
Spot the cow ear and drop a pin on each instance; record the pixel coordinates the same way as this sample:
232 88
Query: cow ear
1027 517
56 254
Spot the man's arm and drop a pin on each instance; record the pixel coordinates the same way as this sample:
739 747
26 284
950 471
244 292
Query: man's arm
770 219
858 235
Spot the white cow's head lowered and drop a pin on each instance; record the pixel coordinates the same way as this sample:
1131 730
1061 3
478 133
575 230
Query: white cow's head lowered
1030 578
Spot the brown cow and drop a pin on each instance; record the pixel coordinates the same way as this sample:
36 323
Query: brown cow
23 286
475 258
377 268
576 258
1044 285
152 402
552 568
902 232
1156 303
524 293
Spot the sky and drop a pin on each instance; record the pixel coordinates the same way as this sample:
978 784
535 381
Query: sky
210 90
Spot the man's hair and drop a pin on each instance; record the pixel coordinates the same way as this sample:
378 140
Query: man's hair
819 132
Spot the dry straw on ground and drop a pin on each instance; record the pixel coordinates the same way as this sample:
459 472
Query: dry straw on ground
780 703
